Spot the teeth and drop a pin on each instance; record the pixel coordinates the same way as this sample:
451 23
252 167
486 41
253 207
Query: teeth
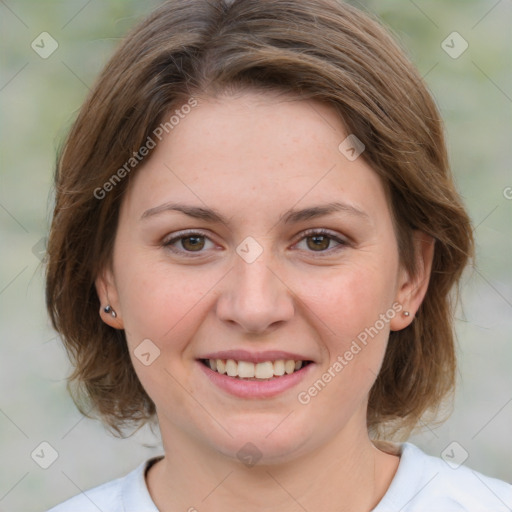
231 368
264 370
248 370
289 366
279 368
220 364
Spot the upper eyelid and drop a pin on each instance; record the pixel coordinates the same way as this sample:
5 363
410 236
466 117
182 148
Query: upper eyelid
322 231
184 233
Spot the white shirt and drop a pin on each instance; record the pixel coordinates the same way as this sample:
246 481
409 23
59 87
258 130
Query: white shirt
421 484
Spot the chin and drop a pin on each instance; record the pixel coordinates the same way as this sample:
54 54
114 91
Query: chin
262 441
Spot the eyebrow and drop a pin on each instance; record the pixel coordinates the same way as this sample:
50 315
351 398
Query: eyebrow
289 217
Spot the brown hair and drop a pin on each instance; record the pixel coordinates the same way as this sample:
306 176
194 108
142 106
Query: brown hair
318 49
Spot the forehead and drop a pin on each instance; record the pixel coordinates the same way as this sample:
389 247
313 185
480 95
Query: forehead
255 151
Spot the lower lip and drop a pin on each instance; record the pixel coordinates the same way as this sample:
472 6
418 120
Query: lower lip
253 388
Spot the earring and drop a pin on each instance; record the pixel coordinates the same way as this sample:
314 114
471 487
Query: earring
108 309
406 313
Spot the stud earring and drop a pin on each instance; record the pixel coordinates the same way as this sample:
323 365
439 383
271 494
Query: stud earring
406 313
108 309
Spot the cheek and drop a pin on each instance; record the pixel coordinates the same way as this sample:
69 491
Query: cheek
348 311
160 300
352 309
160 303
350 298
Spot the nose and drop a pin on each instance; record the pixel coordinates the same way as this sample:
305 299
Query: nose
255 297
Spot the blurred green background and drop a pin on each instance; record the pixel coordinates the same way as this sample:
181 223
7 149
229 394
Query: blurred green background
39 99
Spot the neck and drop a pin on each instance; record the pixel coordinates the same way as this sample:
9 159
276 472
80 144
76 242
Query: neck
348 473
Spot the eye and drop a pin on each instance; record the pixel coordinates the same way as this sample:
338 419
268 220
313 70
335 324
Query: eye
319 240
188 242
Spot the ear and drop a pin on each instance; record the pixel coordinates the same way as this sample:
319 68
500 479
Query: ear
412 289
108 295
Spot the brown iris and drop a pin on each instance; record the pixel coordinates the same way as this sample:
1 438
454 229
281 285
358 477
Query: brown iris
193 243
319 242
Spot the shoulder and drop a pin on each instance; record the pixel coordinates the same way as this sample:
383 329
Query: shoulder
125 494
103 497
424 483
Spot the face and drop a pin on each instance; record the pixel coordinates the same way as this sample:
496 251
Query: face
249 236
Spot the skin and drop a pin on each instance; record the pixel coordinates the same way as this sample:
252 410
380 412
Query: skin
252 157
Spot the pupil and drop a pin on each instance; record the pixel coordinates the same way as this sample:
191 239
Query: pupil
194 242
320 242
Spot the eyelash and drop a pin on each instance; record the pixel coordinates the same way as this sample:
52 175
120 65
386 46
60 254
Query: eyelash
308 233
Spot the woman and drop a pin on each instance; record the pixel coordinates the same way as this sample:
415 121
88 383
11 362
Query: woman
255 240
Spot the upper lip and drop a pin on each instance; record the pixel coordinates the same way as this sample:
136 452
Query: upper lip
255 357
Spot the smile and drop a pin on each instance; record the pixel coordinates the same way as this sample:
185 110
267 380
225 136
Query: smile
261 379
248 370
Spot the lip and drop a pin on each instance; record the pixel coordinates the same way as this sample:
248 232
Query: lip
255 357
252 388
